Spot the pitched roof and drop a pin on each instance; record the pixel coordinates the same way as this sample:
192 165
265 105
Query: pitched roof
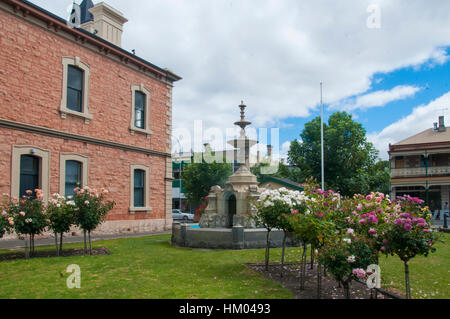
427 136
282 181
86 16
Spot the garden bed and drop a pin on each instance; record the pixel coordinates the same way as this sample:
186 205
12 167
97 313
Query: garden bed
330 288
52 253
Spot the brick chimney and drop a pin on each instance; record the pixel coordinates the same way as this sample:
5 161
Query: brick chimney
441 127
105 22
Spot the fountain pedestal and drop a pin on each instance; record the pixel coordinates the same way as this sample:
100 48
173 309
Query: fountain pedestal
230 206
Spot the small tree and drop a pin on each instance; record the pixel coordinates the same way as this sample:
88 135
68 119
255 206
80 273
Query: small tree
410 234
346 258
90 211
271 207
60 213
28 216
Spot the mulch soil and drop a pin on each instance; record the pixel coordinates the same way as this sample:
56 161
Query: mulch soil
330 288
52 253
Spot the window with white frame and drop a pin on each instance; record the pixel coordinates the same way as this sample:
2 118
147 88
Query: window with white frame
139 189
73 172
75 89
140 110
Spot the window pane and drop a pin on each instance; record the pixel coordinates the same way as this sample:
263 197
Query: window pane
74 100
139 179
75 78
139 109
29 174
73 177
75 88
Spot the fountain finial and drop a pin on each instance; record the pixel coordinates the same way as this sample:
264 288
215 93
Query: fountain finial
243 123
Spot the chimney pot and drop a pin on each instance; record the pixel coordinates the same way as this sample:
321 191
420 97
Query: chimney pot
441 124
108 21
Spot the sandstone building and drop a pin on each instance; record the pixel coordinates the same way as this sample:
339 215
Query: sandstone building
76 108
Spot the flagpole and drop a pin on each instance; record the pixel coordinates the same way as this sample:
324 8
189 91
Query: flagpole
321 137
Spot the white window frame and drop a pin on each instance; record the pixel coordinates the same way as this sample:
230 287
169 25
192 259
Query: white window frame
63 158
146 209
44 168
85 114
133 128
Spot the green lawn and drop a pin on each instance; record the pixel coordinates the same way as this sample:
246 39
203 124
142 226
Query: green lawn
150 267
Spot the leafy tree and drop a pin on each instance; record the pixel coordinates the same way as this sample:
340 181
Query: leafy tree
198 178
60 214
90 211
349 157
281 172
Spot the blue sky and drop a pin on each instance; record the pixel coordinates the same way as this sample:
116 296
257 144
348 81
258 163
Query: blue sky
384 61
432 81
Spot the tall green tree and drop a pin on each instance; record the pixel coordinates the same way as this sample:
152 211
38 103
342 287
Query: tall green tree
198 178
282 171
350 159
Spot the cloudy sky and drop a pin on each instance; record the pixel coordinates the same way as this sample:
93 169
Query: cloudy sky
387 62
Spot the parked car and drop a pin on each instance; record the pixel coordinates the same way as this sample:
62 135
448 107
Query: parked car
178 214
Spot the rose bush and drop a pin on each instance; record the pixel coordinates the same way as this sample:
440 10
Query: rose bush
90 210
60 213
271 207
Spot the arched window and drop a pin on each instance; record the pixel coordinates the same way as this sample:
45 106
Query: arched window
29 174
73 176
139 189
75 88
139 109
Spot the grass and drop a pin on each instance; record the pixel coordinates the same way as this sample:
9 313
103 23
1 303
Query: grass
150 267
429 276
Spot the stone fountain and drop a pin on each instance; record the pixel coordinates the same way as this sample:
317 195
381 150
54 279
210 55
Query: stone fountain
226 222
230 206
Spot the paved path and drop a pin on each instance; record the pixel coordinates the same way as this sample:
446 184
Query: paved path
19 244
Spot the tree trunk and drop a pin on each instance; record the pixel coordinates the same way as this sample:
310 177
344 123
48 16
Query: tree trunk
90 244
282 254
85 244
56 244
346 289
319 281
27 252
32 244
303 268
267 249
408 286
60 242
312 258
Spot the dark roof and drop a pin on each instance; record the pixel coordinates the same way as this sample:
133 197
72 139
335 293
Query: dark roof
86 16
282 181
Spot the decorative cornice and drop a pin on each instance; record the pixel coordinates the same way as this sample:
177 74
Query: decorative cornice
79 138
58 24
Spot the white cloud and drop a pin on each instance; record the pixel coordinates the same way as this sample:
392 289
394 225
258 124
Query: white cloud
377 98
273 54
420 119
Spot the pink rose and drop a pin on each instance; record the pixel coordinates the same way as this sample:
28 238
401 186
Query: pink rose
22 214
408 227
372 231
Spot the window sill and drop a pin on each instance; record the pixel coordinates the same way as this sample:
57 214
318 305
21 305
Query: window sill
134 130
87 117
134 210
